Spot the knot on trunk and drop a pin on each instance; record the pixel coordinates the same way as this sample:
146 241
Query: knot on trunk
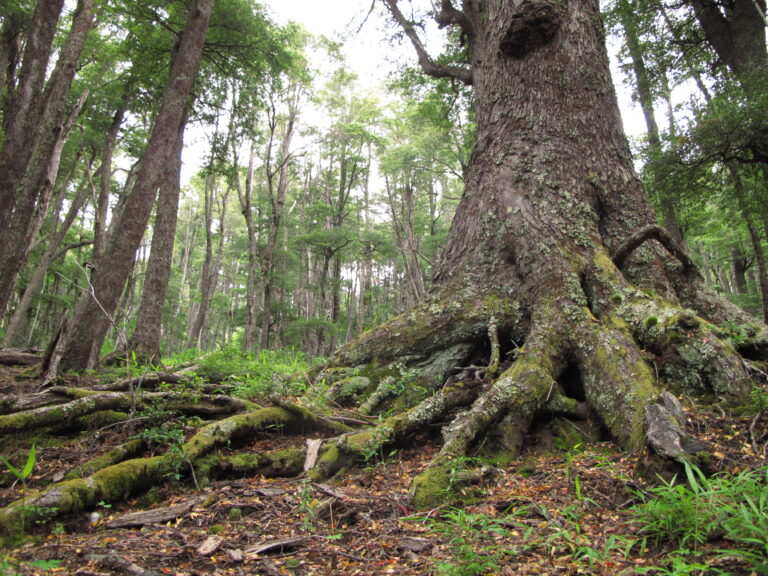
533 25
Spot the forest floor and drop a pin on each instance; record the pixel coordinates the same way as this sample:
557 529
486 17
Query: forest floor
551 512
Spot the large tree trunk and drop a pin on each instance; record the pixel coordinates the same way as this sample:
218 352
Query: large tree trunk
96 310
145 340
553 269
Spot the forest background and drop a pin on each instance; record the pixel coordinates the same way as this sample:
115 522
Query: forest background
310 209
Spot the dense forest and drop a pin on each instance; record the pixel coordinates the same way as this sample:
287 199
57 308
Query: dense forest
289 232
204 215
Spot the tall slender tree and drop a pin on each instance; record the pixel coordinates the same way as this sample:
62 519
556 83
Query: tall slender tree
146 337
95 312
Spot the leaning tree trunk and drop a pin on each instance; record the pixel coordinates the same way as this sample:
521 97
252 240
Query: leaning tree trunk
145 340
553 269
35 132
95 312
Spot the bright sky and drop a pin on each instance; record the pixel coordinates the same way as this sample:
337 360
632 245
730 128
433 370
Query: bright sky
368 54
372 58
366 50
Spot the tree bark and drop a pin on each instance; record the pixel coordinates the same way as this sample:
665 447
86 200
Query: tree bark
35 134
11 42
145 340
96 310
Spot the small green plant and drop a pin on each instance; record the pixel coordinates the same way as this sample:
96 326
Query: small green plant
374 448
734 508
472 541
254 375
684 513
10 567
681 564
26 471
166 435
306 500
21 476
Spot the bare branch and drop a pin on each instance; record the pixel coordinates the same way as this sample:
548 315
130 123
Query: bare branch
449 15
426 62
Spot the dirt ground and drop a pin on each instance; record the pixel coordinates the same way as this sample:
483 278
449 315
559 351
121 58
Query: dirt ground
551 512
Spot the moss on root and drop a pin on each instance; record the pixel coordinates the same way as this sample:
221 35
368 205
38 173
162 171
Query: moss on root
432 487
276 464
126 451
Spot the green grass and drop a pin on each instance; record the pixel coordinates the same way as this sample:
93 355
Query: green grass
728 508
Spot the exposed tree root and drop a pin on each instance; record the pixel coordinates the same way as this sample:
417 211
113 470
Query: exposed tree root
590 346
88 402
116 482
131 449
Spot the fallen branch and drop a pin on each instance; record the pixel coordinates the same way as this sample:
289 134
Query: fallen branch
155 516
119 564
87 402
19 358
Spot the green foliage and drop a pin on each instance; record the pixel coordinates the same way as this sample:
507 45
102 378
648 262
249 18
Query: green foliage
473 541
254 375
22 475
26 471
734 508
10 567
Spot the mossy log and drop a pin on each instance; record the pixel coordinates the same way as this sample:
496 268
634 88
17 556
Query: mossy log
19 358
129 450
284 463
